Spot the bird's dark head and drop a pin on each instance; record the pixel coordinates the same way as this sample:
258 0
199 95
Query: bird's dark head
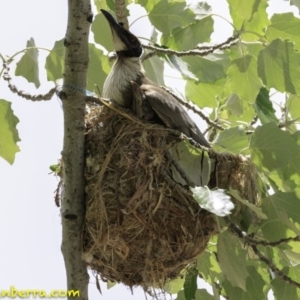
125 42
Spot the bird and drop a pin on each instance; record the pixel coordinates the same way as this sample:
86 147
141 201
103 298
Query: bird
141 106
128 86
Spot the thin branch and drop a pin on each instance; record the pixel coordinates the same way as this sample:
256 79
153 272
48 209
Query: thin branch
120 11
219 16
225 45
253 244
143 16
23 94
200 50
148 55
254 120
270 264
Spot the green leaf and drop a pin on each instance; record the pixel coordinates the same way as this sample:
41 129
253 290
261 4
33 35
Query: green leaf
254 208
284 290
165 16
55 61
243 79
254 287
55 168
110 284
148 4
235 105
205 94
246 116
275 227
202 294
264 107
208 267
154 67
286 202
210 68
200 8
254 19
180 295
234 140
243 9
181 66
201 30
105 4
175 285
190 284
284 26
193 161
293 105
275 150
251 49
95 74
28 65
8 132
278 67
258 23
112 7
102 32
232 259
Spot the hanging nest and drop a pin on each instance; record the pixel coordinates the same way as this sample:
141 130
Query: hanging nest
141 227
237 172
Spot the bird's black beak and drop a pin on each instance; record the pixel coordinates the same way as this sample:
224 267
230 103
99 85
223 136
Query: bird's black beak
124 40
111 20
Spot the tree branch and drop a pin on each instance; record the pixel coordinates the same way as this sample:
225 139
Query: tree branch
73 206
200 50
252 243
120 6
24 94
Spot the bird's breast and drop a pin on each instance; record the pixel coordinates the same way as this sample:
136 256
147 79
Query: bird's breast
117 85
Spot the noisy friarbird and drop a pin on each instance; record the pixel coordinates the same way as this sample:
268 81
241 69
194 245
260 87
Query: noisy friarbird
157 104
151 101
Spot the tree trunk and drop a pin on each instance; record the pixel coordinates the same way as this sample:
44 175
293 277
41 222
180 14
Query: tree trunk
73 98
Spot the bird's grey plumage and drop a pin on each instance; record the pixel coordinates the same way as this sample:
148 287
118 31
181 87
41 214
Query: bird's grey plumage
117 84
155 101
140 105
171 113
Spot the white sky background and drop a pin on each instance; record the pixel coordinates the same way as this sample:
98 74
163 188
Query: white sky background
30 229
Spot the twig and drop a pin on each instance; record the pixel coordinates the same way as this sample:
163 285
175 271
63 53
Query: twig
270 264
120 6
148 55
225 45
24 94
195 109
200 50
252 243
254 120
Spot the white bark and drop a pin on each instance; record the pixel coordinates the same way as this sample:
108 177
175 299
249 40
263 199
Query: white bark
120 6
72 206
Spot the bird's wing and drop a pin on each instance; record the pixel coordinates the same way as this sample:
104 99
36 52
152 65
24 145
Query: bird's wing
172 113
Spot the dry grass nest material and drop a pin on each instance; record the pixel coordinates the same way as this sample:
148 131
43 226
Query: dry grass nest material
141 227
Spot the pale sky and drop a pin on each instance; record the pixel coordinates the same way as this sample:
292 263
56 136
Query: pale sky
30 229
